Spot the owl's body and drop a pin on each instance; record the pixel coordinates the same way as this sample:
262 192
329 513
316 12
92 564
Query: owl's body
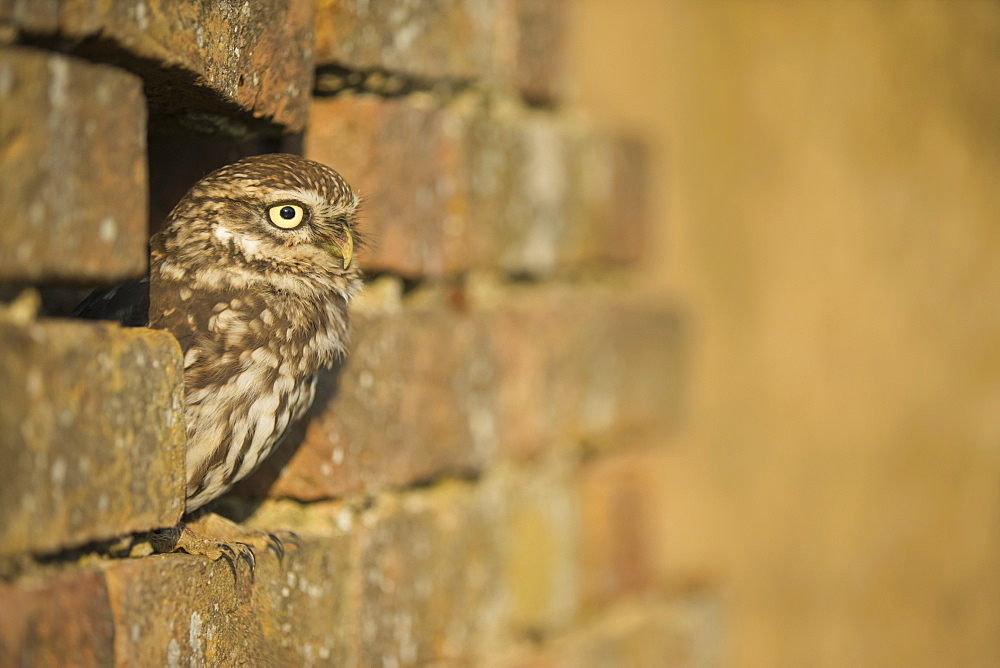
252 273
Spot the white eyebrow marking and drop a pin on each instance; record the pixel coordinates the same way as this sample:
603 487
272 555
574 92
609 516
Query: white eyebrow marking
310 197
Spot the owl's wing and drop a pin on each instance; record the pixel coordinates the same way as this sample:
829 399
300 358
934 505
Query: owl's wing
126 304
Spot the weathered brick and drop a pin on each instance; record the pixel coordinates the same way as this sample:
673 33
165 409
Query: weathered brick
290 612
198 59
539 70
630 204
414 400
539 544
522 190
453 188
429 567
406 159
454 39
92 434
520 45
72 149
62 620
576 366
683 633
544 191
622 499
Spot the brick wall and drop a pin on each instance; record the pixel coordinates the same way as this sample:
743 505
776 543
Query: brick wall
483 480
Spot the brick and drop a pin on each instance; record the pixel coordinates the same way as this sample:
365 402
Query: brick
519 46
72 149
539 70
522 186
429 567
204 611
200 61
684 633
92 435
62 620
400 411
548 193
431 39
455 188
584 367
539 544
290 612
406 159
629 214
622 500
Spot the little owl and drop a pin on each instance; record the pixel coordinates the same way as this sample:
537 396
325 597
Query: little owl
252 272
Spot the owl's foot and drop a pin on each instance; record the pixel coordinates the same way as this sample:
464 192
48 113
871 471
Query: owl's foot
216 537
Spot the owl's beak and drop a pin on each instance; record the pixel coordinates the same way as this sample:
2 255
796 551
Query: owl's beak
344 249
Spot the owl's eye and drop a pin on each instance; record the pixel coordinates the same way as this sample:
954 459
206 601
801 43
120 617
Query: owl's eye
286 216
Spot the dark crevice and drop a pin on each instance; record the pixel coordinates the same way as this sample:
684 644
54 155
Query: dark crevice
335 80
117 547
467 474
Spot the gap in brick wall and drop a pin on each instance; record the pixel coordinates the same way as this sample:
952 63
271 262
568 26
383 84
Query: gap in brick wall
177 160
335 80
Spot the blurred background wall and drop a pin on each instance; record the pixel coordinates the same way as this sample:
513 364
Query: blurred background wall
827 190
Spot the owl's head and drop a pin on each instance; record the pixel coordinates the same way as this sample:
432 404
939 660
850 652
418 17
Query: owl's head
275 217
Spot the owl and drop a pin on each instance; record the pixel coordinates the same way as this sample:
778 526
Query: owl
252 272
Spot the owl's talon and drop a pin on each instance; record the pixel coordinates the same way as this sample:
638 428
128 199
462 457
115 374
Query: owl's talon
248 556
228 553
231 564
274 544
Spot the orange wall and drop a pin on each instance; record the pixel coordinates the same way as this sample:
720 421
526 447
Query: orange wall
827 205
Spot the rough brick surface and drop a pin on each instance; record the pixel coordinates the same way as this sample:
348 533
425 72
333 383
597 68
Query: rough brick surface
406 160
289 612
453 188
539 69
525 187
93 433
254 55
203 611
432 39
72 150
539 544
518 45
584 367
622 499
630 162
429 572
62 620
683 633
414 400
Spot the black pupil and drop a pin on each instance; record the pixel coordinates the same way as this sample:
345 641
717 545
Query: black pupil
287 212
